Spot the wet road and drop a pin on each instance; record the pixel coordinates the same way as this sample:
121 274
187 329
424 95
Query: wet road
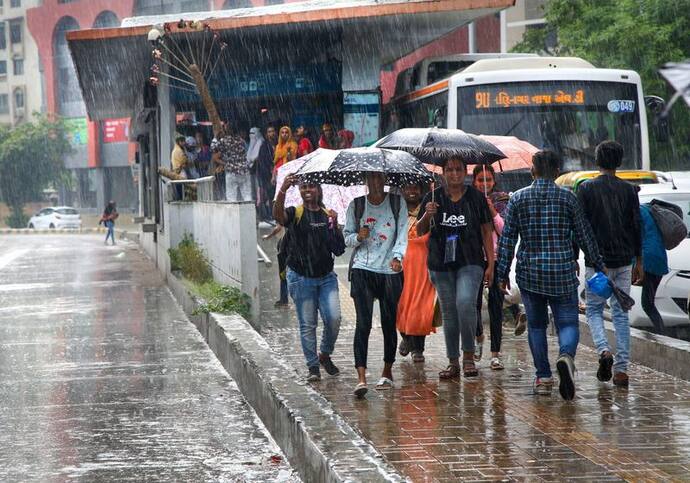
494 428
103 377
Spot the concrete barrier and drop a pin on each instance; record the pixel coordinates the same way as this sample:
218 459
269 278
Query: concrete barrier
315 439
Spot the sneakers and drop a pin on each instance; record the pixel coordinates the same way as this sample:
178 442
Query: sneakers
281 304
327 363
314 374
605 364
621 379
521 324
543 386
566 375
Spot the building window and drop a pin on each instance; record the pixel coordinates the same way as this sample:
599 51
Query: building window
18 65
4 104
106 19
230 4
19 99
15 3
274 2
3 36
16 31
3 67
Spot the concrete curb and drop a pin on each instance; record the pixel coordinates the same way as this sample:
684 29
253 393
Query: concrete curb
316 440
658 352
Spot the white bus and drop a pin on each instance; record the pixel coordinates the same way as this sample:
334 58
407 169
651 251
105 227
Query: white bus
560 103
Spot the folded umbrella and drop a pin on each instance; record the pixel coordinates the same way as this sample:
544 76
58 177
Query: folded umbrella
626 301
348 167
434 145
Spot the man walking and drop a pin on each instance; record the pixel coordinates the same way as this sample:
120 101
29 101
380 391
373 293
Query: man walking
546 218
613 210
230 151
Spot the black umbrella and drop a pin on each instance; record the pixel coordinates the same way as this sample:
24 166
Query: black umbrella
348 167
434 145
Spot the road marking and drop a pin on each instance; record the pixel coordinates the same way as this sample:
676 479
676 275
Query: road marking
8 258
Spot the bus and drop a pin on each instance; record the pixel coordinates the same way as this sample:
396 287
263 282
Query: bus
560 103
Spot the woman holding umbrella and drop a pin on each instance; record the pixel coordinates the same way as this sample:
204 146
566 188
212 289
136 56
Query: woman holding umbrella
461 256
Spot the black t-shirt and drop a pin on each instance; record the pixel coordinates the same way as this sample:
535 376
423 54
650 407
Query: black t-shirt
310 245
463 219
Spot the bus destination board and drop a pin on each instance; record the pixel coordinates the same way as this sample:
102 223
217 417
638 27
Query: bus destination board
487 98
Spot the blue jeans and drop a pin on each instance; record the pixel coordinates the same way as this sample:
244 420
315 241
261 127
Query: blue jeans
457 295
110 225
622 278
565 315
312 295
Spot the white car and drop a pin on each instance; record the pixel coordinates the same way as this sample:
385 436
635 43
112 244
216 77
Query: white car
674 290
57 217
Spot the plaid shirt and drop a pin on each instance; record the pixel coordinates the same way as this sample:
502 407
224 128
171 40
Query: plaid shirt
547 219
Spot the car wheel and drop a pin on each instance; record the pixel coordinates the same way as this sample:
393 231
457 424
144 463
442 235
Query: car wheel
52 227
31 226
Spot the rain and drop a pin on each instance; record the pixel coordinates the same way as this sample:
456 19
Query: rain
344 240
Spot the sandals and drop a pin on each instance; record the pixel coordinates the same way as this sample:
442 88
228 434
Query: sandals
469 369
384 384
361 389
417 357
496 364
403 348
450 372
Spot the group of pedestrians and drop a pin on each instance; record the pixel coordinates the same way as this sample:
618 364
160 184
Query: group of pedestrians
429 265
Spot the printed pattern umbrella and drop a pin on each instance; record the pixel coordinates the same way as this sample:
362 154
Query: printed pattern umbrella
434 145
518 152
678 75
348 167
336 198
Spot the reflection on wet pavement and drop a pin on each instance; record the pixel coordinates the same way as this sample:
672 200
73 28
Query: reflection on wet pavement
495 428
104 378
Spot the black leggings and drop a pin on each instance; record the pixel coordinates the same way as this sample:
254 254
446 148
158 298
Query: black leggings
415 343
650 284
495 314
365 287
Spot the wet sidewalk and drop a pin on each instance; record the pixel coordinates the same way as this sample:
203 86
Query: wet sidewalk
104 378
494 428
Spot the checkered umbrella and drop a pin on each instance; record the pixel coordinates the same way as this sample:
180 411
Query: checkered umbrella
348 167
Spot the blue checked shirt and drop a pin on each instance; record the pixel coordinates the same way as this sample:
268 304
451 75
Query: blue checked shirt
547 219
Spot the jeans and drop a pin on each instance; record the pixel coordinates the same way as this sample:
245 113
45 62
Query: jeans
650 284
366 286
495 314
565 315
457 295
622 278
110 225
235 183
312 295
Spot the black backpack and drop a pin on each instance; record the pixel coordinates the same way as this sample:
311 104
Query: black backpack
669 219
360 203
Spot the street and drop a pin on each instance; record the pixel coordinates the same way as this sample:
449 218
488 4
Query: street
104 378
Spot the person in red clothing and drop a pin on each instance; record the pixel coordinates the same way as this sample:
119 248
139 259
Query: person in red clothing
304 145
328 138
346 137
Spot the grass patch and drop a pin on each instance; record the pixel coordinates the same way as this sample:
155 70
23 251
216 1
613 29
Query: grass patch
191 260
221 299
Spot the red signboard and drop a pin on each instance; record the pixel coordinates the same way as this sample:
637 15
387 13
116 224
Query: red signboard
116 130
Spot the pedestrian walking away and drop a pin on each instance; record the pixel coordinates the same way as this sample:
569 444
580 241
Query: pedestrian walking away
546 219
108 218
655 264
613 210
313 238
461 258
230 152
417 312
378 235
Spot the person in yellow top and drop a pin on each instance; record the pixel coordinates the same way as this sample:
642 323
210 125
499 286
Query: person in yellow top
178 157
286 150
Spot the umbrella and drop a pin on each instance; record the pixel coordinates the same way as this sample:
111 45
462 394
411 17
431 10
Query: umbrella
348 167
518 152
434 145
336 198
678 75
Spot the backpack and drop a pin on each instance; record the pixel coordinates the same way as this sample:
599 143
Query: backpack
360 203
669 219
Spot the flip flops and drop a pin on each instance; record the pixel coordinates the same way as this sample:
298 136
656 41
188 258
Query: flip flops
361 390
384 384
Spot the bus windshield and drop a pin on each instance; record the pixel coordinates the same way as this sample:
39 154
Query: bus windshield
569 117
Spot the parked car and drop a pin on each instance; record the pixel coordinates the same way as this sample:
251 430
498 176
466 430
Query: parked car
56 217
674 289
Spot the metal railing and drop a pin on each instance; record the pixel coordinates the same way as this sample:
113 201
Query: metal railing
199 189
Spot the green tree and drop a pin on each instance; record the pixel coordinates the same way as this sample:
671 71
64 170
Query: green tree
641 35
31 159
